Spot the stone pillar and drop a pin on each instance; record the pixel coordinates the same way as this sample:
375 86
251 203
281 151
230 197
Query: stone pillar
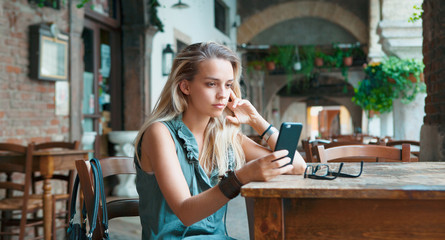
432 134
387 124
402 39
137 42
255 83
375 53
76 69
408 118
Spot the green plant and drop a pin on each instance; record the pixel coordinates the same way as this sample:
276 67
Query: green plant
307 58
347 52
255 64
283 56
387 81
416 15
54 3
329 60
400 71
154 19
319 53
271 58
154 4
373 93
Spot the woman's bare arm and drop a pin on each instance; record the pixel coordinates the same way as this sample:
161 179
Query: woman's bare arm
159 156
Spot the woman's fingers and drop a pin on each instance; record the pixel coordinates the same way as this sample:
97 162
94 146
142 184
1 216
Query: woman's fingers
276 155
233 120
234 99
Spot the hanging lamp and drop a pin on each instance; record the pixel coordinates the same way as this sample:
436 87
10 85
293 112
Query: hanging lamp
180 5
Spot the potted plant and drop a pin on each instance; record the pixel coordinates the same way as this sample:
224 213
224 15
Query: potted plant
257 65
377 92
405 77
347 57
319 57
283 56
271 61
373 93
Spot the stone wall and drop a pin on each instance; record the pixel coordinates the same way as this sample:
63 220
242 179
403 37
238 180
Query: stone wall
27 106
433 131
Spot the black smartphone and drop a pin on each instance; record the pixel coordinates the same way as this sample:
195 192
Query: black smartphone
288 138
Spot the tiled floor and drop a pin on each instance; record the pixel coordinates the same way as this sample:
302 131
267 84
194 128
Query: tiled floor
237 226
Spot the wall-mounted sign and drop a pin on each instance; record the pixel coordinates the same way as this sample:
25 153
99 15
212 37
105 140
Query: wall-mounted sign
48 53
62 98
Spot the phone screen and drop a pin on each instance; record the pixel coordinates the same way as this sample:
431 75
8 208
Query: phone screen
288 138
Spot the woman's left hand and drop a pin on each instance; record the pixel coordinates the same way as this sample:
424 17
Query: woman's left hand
244 111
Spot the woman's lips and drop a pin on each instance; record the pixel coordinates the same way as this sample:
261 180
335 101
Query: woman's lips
220 106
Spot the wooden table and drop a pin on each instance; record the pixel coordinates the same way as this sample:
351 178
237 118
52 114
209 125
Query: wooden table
46 162
389 201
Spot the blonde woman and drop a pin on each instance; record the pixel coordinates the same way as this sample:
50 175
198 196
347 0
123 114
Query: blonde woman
191 157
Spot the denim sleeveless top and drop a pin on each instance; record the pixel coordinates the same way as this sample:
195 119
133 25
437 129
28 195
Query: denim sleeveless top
157 219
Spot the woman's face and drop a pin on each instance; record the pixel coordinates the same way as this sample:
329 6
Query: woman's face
209 91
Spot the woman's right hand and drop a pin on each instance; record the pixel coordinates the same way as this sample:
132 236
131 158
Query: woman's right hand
264 168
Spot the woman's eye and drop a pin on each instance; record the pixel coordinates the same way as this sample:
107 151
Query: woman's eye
211 84
229 85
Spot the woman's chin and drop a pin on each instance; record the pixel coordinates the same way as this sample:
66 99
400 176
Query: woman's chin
216 113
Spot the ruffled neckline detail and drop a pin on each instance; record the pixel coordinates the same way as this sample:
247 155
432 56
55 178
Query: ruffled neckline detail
190 144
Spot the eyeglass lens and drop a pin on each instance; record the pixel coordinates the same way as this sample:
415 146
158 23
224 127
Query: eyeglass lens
321 171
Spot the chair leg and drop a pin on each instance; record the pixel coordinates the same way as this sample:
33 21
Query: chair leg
54 220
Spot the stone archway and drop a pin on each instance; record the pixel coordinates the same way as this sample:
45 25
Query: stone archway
285 11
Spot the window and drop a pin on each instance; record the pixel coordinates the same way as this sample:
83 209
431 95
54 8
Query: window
221 16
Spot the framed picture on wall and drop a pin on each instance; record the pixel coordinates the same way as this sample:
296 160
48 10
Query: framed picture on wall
48 53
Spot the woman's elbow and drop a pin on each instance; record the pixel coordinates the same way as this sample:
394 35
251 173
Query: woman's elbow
299 164
299 168
186 220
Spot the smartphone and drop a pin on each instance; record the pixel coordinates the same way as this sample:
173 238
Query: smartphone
288 138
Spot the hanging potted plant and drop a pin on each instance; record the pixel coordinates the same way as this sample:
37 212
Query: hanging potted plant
271 61
257 65
319 56
373 93
376 92
347 57
405 77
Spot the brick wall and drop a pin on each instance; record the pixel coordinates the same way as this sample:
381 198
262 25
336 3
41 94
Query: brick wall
27 106
434 58
432 142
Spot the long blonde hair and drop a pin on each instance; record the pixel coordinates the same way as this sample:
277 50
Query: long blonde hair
220 136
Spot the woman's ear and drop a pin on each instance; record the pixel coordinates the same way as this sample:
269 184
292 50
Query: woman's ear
185 87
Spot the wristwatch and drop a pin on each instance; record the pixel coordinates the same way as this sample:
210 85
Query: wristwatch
269 133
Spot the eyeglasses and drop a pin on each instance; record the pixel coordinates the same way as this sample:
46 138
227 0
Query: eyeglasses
322 172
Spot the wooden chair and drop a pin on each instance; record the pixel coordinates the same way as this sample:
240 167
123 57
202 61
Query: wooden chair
60 217
125 207
380 153
311 147
347 138
309 144
358 137
18 201
410 142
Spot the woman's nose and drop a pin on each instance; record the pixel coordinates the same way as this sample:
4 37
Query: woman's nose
223 92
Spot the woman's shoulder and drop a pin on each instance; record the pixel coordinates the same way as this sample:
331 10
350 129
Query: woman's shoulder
156 129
